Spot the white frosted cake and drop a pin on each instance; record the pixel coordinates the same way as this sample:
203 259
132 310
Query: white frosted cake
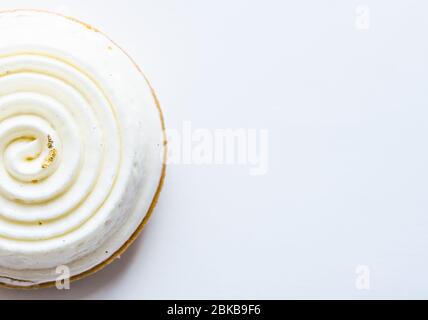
82 148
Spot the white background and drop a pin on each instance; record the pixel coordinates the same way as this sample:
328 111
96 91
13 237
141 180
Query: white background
347 114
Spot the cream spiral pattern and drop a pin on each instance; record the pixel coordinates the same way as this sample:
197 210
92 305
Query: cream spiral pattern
82 148
47 104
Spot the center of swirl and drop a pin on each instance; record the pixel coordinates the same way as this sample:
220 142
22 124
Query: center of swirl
30 153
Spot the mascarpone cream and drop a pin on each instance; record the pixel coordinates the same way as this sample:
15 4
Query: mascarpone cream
81 147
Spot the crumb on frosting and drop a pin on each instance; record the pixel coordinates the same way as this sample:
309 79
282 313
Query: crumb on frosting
52 153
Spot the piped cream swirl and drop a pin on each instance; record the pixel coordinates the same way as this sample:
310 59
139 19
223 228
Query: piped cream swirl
43 98
81 147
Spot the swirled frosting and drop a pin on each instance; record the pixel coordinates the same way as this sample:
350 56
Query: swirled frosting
80 147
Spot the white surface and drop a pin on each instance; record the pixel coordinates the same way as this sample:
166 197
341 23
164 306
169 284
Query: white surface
347 114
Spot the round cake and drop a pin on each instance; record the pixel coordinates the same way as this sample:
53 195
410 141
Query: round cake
82 148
